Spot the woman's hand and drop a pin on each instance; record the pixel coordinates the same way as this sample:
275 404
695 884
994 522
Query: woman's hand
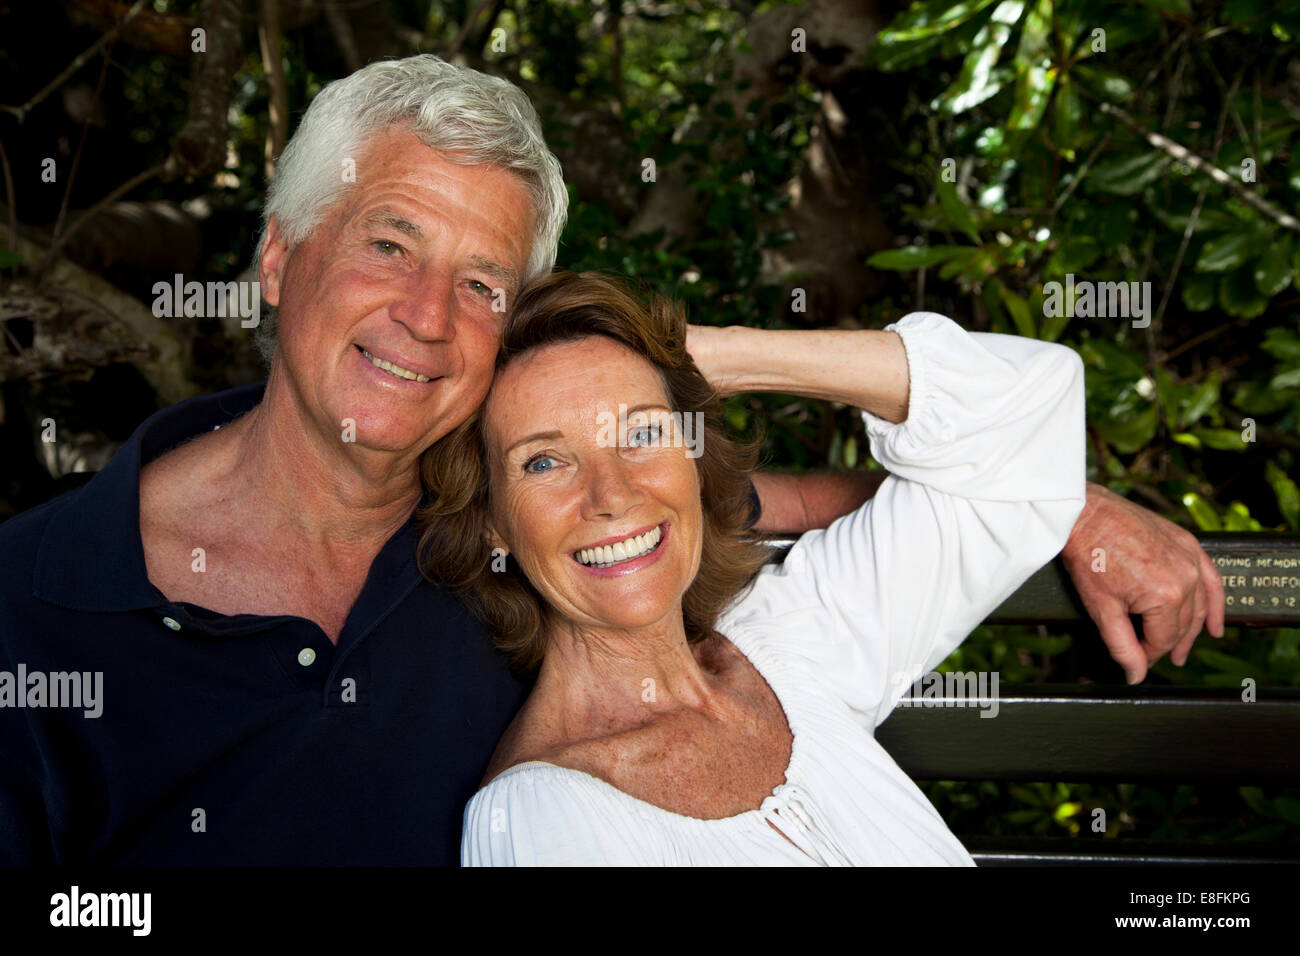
866 368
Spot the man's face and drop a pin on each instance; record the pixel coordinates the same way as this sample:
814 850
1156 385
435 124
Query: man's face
405 270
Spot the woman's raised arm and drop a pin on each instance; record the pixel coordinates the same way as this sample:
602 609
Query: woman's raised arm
863 368
987 479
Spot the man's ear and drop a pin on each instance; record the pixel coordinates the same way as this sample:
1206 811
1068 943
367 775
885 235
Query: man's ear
270 267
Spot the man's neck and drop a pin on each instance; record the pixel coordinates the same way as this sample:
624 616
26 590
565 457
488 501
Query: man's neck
268 478
287 523
329 491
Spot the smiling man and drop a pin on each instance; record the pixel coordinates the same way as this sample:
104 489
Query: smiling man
390 339
280 685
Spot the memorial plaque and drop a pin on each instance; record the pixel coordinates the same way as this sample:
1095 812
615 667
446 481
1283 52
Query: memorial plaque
1260 573
1261 579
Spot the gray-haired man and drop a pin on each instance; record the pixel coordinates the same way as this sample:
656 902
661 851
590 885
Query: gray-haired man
279 683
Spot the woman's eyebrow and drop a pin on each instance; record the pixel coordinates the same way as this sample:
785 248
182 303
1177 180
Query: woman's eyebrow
547 436
539 436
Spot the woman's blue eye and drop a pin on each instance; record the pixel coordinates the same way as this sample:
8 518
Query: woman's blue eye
537 460
646 435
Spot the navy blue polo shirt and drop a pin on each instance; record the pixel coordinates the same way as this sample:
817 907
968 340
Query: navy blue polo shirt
220 739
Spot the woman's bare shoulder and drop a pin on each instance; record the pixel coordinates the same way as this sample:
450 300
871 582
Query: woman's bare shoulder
532 735
536 734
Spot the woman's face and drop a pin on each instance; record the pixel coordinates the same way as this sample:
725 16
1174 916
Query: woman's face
605 520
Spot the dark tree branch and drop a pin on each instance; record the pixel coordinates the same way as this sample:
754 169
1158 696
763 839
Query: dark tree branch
1184 155
62 240
1196 210
200 146
268 33
468 25
9 193
484 31
165 366
76 159
343 38
22 111
616 28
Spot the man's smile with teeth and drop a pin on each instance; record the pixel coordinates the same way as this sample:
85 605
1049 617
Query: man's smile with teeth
603 556
397 370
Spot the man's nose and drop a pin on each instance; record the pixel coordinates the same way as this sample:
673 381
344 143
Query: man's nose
425 305
611 489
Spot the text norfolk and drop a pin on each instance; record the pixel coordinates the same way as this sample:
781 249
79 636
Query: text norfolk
79 690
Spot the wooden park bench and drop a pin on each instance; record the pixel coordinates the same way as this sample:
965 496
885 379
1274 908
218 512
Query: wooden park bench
1121 734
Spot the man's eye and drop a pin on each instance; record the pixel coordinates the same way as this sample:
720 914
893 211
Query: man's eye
386 246
645 436
539 461
479 287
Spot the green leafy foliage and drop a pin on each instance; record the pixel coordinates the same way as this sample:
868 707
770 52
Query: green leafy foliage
1196 402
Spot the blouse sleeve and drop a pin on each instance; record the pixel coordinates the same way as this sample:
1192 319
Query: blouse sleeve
539 815
986 482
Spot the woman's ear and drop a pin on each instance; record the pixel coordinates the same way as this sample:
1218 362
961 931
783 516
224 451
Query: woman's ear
495 540
500 551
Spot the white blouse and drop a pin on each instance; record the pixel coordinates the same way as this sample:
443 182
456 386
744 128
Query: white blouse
986 481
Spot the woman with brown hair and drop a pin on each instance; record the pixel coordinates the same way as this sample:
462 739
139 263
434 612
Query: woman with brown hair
694 705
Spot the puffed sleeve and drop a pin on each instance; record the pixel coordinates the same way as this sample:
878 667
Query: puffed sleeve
986 482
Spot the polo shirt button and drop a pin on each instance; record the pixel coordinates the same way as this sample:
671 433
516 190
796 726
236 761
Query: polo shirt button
306 657
171 622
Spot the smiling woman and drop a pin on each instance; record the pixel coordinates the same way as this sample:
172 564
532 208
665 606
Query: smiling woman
692 704
605 331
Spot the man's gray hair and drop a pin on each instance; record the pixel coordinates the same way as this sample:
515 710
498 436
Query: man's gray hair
475 118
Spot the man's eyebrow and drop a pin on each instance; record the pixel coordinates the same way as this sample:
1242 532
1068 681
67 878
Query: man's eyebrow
386 217
496 270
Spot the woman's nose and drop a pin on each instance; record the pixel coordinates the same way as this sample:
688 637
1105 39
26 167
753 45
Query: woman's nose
611 490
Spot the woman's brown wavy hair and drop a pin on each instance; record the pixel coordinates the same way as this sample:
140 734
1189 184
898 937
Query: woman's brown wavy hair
454 547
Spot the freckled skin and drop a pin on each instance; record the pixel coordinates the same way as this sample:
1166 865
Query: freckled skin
579 492
711 739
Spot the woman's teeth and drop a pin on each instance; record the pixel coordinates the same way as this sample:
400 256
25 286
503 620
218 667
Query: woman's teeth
397 370
609 554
